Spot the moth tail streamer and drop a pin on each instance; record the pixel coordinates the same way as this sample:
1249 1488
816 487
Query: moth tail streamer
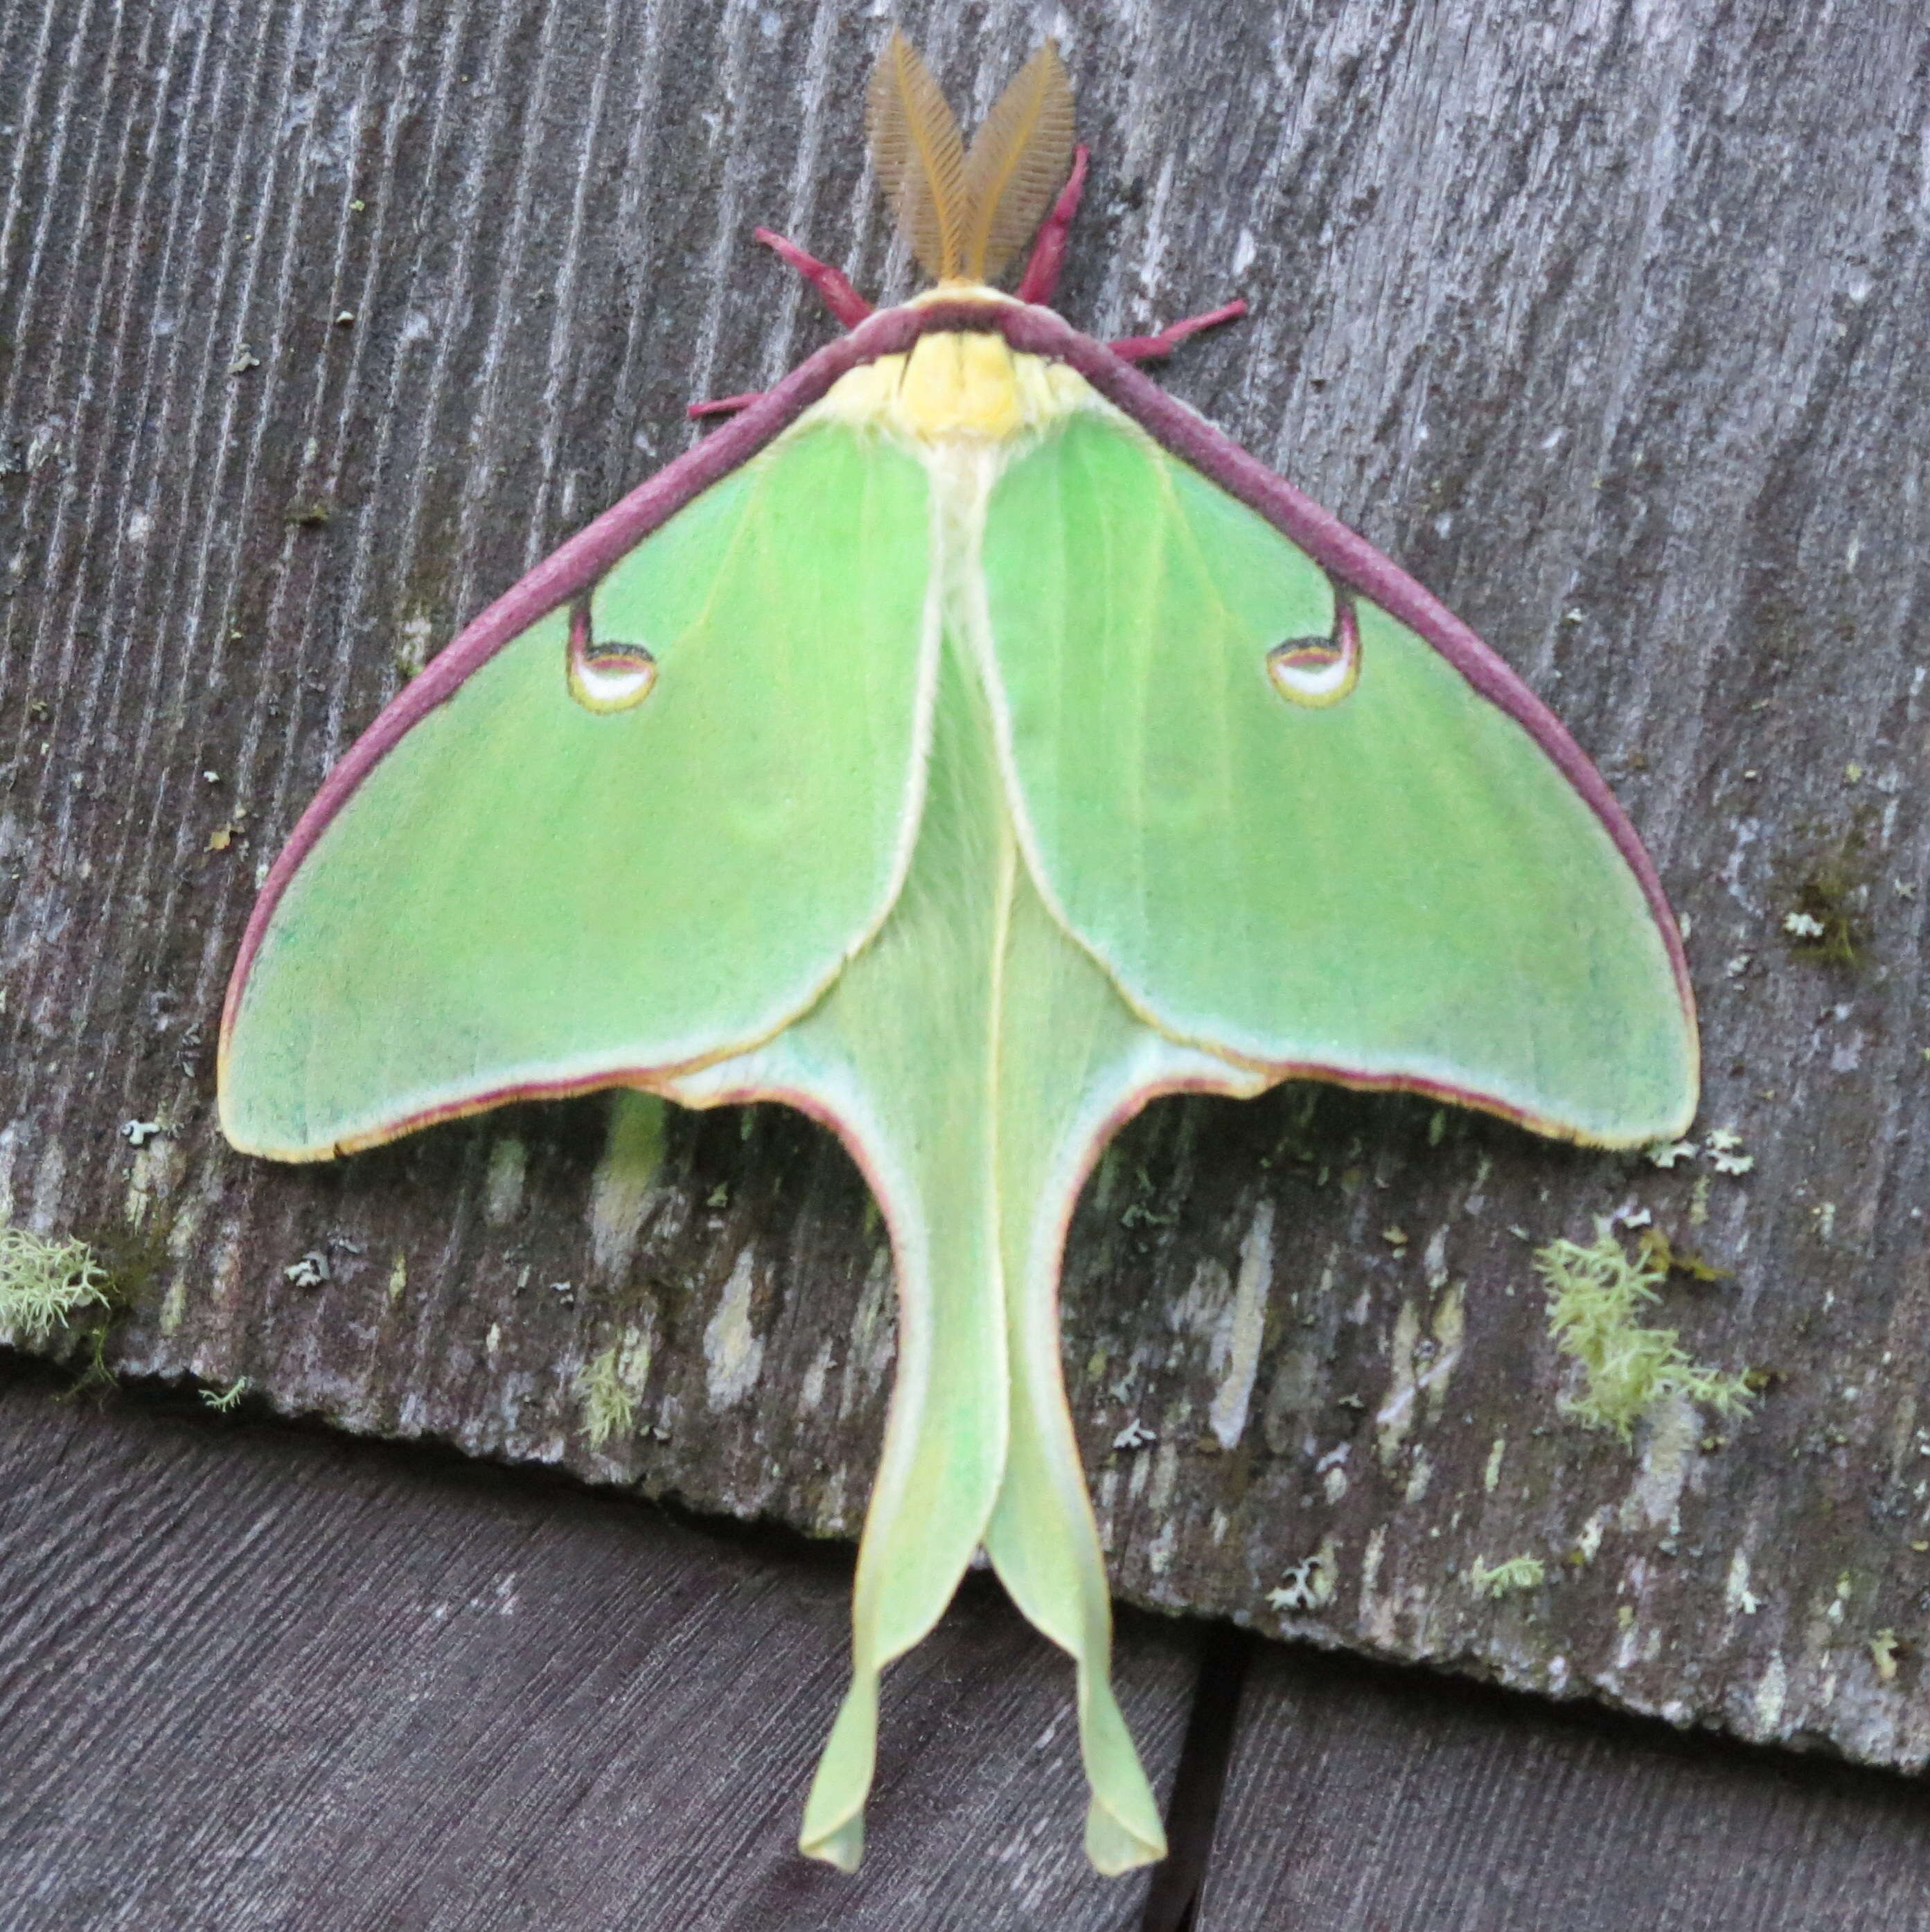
978 1201
945 1453
1043 1541
974 1057
1076 1064
979 1387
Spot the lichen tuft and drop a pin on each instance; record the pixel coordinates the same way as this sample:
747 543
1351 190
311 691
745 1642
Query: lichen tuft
1596 1294
44 1283
611 1384
1518 1573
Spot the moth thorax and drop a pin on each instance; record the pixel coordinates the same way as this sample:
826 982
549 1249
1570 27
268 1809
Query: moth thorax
964 384
955 386
960 385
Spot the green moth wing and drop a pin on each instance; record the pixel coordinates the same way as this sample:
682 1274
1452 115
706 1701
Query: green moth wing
645 830
1294 829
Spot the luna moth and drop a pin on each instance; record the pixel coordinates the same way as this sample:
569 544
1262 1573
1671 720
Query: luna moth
965 744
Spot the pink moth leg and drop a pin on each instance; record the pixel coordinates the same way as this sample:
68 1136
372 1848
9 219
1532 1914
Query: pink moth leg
1040 280
833 286
722 406
1151 348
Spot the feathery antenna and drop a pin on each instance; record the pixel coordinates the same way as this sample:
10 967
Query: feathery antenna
919 155
966 215
1017 163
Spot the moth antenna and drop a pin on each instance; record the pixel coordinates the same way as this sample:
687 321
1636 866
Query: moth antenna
1018 161
920 156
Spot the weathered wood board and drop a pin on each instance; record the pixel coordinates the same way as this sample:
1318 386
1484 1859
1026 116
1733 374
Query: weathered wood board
320 324
1361 1801
252 1679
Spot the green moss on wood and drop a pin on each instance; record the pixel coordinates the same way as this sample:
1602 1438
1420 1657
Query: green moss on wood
1830 917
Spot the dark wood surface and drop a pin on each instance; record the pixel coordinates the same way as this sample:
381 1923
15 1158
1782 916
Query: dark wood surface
1609 323
255 1679
1362 1801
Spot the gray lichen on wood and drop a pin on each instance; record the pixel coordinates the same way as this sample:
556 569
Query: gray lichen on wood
1610 329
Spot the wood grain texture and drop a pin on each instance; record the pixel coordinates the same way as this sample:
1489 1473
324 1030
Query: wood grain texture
253 1678
1370 1800
1607 320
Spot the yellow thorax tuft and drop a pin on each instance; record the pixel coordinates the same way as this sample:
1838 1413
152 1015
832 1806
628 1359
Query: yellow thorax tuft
953 384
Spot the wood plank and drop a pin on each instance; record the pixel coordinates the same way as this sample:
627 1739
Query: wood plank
1369 1800
1609 323
255 1677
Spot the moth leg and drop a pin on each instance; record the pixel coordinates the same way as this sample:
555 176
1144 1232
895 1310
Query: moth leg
1151 348
1041 278
723 406
839 297
832 284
